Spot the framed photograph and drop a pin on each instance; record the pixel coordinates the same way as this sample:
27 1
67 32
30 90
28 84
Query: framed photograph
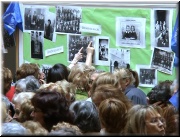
130 32
75 42
102 51
162 60
37 44
68 19
49 29
147 75
34 18
119 58
161 30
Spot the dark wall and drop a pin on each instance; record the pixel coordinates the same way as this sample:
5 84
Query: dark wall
9 58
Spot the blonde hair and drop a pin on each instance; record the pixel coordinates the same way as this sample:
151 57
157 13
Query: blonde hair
34 128
136 118
80 75
103 79
122 73
69 89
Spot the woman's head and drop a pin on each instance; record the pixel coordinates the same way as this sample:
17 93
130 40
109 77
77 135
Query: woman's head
50 107
57 72
7 79
80 75
28 69
112 114
106 91
85 116
103 79
144 120
125 77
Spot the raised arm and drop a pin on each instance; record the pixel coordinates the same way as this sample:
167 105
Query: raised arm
76 58
90 52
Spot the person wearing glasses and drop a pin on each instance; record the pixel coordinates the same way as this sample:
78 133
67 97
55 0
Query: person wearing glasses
144 120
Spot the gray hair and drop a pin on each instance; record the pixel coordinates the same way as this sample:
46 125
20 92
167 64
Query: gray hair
32 84
13 129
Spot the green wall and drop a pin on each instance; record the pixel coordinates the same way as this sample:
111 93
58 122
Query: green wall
106 17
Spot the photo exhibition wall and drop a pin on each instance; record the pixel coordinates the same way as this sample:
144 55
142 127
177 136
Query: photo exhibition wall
139 38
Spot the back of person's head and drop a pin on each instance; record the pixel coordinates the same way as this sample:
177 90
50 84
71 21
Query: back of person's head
103 79
51 87
171 115
106 91
34 128
160 92
27 69
85 116
69 90
32 83
26 110
57 72
123 73
20 86
53 105
23 96
7 79
64 128
65 131
112 114
80 75
13 129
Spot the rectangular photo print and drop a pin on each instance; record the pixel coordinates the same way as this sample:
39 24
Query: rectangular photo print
130 32
161 30
162 60
75 43
102 51
119 58
34 17
68 19
147 76
37 44
49 29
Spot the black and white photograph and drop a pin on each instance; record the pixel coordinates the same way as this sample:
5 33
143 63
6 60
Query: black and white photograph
147 75
102 50
34 18
75 42
130 32
68 19
50 24
45 68
119 58
162 60
37 43
161 22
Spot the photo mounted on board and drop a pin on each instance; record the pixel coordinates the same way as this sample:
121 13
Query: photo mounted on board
37 43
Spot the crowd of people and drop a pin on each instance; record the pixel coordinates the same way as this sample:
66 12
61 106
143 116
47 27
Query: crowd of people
47 105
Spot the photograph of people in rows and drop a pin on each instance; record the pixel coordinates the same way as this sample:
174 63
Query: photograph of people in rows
68 19
162 59
76 42
147 76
